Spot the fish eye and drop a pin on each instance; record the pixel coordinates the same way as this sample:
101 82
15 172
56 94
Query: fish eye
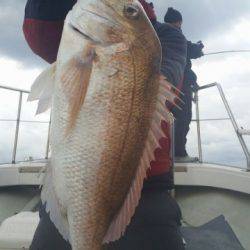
131 11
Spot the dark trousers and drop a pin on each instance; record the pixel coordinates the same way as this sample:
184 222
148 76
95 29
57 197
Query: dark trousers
182 122
155 226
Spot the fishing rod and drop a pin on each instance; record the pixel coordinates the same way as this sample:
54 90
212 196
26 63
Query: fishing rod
226 51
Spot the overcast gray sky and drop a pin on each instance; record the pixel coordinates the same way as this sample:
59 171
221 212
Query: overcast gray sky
220 24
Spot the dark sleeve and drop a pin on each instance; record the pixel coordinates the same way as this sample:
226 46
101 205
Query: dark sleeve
194 50
43 24
174 53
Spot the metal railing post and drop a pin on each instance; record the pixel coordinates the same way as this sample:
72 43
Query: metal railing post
235 125
238 132
17 127
18 121
198 126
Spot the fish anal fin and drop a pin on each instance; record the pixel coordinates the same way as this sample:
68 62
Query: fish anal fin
52 205
118 226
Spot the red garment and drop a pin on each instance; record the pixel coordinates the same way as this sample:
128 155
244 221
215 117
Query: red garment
43 37
163 158
149 9
163 161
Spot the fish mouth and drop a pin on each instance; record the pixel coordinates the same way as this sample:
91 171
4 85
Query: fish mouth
89 15
87 37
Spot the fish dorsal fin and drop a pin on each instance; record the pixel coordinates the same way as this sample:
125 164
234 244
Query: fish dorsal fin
75 80
43 88
118 226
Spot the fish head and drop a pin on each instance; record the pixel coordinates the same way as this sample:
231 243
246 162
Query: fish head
114 30
107 22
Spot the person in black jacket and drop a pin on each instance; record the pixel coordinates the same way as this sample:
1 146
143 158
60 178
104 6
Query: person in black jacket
188 85
174 48
184 116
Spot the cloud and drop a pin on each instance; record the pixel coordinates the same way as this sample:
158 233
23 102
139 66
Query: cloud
204 17
15 74
233 38
201 20
12 42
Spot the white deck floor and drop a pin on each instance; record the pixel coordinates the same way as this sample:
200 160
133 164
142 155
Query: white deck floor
201 194
201 204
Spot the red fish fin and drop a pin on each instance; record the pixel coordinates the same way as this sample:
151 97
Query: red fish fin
165 83
75 82
169 92
118 226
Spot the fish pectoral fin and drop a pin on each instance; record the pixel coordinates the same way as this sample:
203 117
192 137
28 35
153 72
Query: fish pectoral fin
75 81
43 105
43 88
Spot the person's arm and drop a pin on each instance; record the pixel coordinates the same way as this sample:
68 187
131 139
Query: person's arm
43 24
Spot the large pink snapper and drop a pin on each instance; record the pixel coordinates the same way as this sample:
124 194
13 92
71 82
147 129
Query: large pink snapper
108 102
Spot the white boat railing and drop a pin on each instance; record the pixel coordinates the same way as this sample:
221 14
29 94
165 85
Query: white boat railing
18 121
239 132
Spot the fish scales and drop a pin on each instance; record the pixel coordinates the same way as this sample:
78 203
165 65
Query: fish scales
100 184
137 125
122 140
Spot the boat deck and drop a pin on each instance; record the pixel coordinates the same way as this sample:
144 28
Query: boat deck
200 205
16 199
201 193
